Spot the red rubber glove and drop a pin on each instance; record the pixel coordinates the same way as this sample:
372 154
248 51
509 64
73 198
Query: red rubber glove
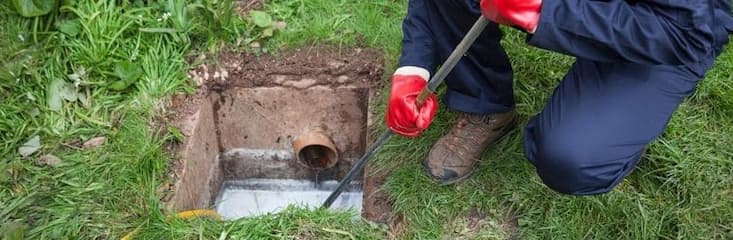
404 117
521 13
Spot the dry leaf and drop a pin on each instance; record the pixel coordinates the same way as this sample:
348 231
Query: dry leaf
30 147
48 160
94 142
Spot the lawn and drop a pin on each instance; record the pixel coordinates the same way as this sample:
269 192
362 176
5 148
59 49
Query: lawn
105 70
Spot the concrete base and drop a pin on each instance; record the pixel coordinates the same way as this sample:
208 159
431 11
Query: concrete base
254 197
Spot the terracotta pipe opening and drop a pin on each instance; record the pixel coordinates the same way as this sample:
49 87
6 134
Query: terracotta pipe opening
315 150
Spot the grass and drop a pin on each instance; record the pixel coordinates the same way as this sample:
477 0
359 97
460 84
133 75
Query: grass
681 190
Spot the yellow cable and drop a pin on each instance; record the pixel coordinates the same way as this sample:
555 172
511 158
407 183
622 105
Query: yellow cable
185 215
198 213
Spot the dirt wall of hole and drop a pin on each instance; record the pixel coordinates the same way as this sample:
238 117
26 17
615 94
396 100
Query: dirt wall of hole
197 175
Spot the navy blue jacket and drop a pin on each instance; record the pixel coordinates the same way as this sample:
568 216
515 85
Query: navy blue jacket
670 32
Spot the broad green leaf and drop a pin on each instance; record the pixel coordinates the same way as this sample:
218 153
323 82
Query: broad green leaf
120 85
177 10
69 27
53 94
268 32
260 18
30 147
128 71
33 8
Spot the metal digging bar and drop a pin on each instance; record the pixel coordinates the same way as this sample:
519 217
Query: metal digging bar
451 62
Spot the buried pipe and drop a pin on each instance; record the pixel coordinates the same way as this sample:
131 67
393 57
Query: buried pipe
315 150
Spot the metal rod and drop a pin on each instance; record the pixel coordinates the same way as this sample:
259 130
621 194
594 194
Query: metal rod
435 81
358 167
453 59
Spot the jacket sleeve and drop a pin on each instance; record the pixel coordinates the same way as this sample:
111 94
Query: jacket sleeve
417 42
672 32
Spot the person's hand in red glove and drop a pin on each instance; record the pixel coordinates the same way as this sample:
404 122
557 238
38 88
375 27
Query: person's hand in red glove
404 116
524 14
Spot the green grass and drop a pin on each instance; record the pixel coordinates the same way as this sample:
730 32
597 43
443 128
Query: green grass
681 190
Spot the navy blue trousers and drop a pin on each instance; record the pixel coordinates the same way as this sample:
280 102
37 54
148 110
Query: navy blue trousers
635 63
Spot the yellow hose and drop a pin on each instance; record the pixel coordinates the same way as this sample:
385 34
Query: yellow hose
185 215
197 213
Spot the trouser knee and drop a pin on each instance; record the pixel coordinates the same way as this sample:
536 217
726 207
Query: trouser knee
574 166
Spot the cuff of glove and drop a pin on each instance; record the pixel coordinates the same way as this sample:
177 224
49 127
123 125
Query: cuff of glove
406 133
413 71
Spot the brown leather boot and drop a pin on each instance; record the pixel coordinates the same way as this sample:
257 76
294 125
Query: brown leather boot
454 157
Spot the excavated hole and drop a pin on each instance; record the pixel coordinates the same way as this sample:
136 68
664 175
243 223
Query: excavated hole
238 157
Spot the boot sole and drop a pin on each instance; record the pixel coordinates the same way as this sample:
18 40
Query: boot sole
448 182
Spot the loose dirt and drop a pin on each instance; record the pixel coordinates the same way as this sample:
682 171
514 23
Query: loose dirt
300 68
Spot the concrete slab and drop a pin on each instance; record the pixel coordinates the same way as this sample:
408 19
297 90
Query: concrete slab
254 197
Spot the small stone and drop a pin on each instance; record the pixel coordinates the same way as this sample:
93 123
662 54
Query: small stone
205 72
196 78
336 64
199 81
279 79
94 142
342 79
302 84
223 73
48 160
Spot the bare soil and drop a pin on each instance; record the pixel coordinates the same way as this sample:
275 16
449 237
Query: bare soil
377 205
301 68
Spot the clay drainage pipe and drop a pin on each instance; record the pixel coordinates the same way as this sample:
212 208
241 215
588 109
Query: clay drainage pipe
315 150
